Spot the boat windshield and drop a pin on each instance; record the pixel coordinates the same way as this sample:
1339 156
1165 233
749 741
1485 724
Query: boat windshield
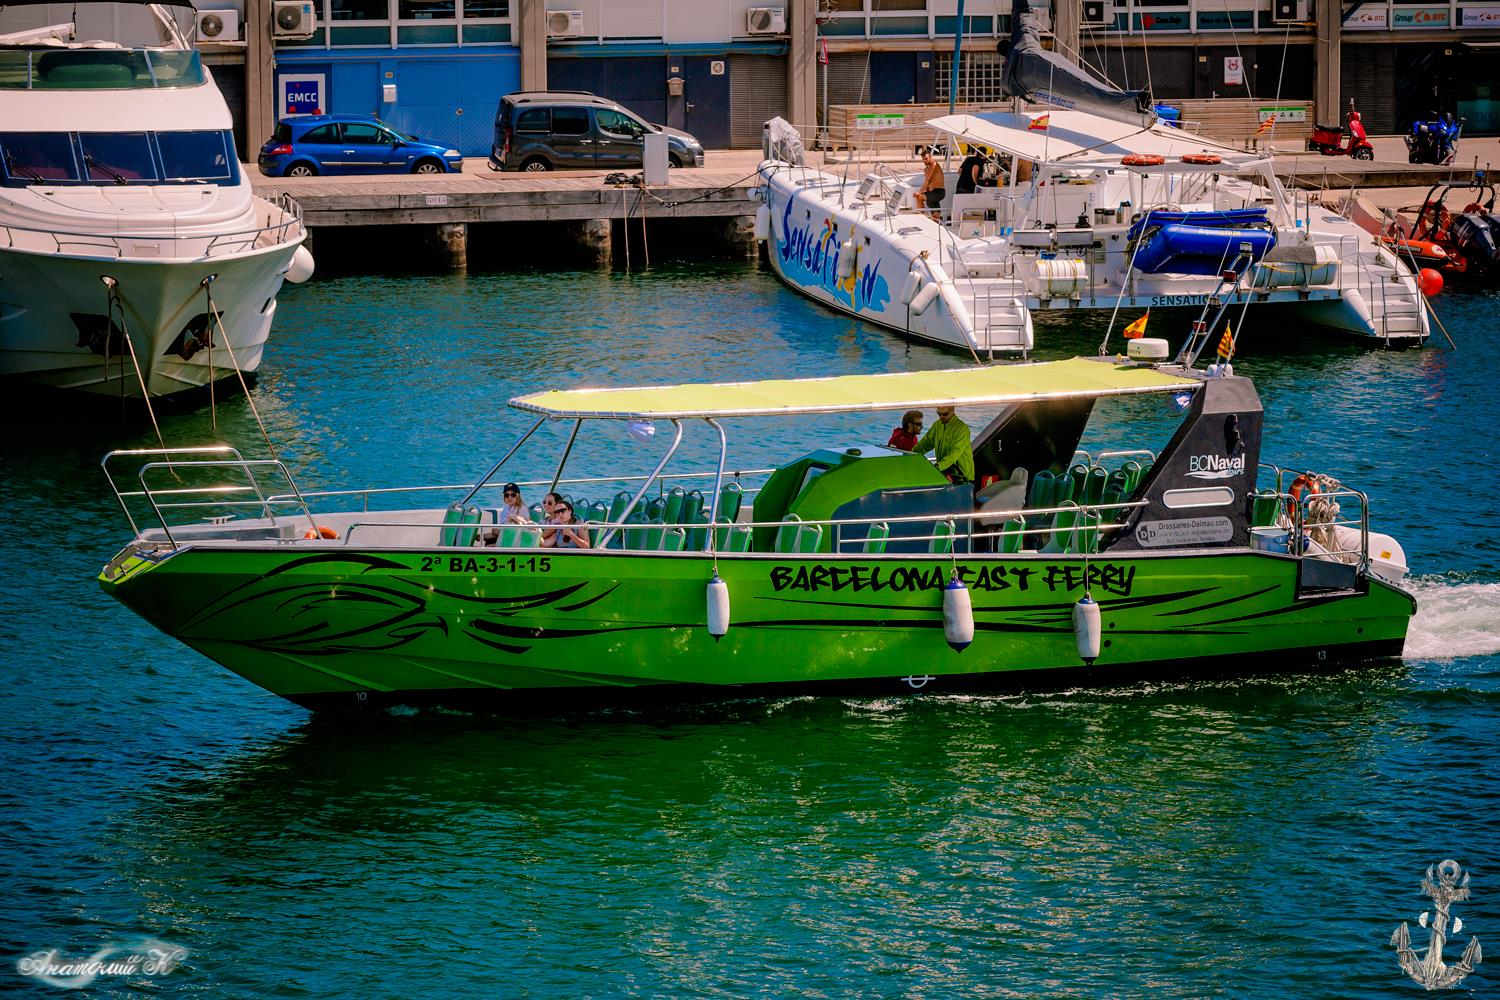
189 157
99 69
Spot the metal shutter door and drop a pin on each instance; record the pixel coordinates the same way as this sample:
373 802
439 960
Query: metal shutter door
231 83
1367 73
757 93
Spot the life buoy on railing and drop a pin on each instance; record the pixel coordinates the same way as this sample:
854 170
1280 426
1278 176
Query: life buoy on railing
1143 160
1299 485
323 531
1206 159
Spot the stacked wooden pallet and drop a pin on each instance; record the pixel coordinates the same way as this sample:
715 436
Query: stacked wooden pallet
1238 119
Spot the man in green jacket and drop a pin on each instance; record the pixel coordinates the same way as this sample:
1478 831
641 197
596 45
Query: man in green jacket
949 440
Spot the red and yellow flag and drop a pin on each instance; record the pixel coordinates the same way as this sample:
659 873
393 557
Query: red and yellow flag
1039 123
1226 343
1138 328
1266 125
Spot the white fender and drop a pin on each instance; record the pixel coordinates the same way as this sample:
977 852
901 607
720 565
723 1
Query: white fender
925 298
301 267
910 288
958 615
1087 628
847 259
718 607
763 223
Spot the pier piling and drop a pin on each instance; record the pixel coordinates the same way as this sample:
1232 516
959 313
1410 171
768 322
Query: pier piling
594 237
452 242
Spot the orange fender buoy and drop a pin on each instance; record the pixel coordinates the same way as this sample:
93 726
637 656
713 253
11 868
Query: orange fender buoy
1429 281
323 531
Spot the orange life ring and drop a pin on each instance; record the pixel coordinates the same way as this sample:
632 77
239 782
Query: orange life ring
1143 160
1299 484
323 531
1203 158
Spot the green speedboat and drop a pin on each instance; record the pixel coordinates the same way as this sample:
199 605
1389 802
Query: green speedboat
845 569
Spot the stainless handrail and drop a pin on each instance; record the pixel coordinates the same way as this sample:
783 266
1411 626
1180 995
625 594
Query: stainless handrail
223 243
244 465
218 449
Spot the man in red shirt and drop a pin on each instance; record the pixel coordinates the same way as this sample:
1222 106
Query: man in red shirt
904 438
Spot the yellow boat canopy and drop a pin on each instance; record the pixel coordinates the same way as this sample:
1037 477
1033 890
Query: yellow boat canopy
997 384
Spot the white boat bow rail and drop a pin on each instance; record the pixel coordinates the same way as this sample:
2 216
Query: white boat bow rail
281 224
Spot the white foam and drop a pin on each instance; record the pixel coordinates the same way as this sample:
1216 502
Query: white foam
1454 620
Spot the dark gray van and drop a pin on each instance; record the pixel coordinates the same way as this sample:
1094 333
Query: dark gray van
546 130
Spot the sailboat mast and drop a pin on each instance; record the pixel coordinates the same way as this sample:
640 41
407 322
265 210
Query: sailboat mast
958 44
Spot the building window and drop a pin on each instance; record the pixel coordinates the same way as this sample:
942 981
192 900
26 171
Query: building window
427 10
359 10
492 9
980 75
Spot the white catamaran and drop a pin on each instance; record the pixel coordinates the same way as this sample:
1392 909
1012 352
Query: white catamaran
1102 209
134 258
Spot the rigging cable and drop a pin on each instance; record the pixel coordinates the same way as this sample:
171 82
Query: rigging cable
234 362
114 300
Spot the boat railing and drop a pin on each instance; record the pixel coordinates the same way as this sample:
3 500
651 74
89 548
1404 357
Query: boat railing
148 244
736 476
951 522
1293 517
186 496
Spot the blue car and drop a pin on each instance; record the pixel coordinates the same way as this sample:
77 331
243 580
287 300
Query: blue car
351 144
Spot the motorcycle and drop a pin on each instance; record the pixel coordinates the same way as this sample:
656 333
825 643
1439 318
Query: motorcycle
1434 141
1329 140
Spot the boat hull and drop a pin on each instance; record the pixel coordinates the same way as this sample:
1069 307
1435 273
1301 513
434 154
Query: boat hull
325 626
54 330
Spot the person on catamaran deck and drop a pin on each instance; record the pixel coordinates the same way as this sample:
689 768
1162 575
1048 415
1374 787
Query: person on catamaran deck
930 195
569 537
948 439
904 438
971 171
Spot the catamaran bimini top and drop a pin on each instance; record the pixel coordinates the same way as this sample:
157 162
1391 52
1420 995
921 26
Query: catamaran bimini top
1000 384
1053 135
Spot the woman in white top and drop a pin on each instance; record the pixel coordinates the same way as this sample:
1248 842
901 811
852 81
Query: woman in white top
514 511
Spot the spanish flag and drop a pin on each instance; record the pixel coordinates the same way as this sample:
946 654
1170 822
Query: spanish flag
1138 328
1266 125
1226 343
1039 123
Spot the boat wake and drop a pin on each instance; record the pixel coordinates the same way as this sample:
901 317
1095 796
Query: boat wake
1453 620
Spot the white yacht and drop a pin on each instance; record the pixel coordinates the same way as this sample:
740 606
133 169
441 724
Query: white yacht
1113 216
134 258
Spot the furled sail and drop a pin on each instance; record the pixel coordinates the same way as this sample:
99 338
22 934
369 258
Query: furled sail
1035 74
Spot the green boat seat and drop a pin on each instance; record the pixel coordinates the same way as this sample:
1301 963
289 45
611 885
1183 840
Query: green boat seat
1086 539
1064 522
692 506
636 536
518 536
654 508
672 512
697 536
1043 489
1013 540
1265 505
786 535
1078 475
536 511
1133 473
457 525
875 541
673 538
740 537
942 538
730 499
617 506
1093 490
1114 493
809 538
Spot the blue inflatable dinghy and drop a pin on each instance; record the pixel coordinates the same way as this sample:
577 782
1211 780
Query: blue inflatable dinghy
1200 242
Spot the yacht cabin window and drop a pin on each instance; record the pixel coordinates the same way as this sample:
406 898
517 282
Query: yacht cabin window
188 157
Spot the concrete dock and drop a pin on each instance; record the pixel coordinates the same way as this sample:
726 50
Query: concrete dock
593 214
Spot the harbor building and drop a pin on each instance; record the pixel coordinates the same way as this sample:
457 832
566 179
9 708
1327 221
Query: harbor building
718 68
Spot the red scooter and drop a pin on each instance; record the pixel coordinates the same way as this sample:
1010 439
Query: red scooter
1329 140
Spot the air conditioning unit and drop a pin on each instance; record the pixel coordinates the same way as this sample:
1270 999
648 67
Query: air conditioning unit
564 23
293 19
218 26
1284 12
1095 14
765 21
